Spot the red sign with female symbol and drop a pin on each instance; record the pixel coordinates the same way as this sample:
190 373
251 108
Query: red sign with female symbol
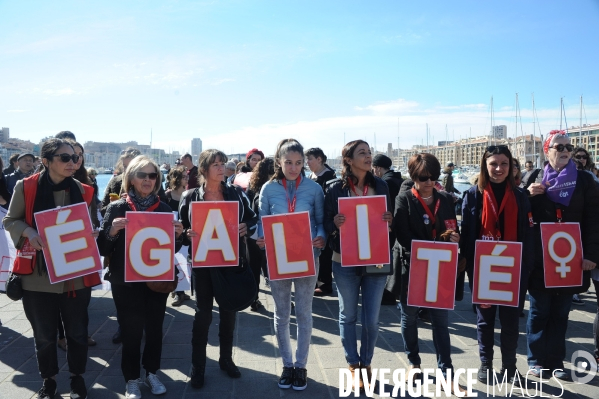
562 254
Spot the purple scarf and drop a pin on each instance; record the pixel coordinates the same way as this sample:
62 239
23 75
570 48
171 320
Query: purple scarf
559 186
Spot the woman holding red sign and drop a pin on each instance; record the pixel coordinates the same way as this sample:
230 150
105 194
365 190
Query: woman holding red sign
496 209
423 213
290 191
140 309
43 301
211 171
564 194
357 180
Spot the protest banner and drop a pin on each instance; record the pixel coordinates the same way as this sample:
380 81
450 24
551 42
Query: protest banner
217 226
288 241
497 271
562 254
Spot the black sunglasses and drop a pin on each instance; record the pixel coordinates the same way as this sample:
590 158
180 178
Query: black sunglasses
561 147
143 175
497 149
67 157
423 179
581 157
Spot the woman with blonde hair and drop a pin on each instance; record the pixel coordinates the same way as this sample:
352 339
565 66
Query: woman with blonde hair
140 310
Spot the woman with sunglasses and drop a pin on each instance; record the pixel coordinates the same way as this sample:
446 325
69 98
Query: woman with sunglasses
357 180
496 209
563 195
423 213
290 191
42 301
139 308
211 171
516 171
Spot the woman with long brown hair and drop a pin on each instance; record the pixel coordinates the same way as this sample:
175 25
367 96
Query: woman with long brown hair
357 180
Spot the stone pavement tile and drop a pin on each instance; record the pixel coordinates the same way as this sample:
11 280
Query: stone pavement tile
23 342
17 325
258 369
331 358
98 359
254 334
22 389
176 351
4 375
175 369
15 357
174 337
110 387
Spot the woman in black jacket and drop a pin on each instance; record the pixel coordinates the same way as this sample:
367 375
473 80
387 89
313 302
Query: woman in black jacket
211 171
497 191
574 199
423 213
356 180
139 308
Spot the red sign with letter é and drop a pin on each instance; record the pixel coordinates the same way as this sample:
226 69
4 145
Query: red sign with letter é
433 272
562 254
364 235
149 247
497 270
70 250
217 227
288 240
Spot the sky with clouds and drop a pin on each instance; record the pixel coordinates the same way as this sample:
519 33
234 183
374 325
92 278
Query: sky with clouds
243 74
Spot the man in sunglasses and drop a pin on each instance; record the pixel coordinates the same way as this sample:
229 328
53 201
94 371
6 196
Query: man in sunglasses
24 169
529 175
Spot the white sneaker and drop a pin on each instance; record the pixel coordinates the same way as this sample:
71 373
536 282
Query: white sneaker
155 385
132 389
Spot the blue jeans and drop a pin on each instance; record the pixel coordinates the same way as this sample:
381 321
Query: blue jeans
546 329
348 288
409 333
304 293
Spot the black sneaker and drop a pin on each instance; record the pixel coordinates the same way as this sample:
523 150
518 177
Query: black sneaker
513 376
48 390
286 379
197 376
78 390
485 373
230 367
300 379
256 305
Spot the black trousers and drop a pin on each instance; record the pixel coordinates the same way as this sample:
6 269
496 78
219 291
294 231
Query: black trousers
257 258
325 273
596 322
42 310
203 318
139 309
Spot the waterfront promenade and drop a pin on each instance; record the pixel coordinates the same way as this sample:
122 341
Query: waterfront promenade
256 352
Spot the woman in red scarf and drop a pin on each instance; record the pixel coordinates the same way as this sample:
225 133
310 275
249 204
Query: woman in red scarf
497 210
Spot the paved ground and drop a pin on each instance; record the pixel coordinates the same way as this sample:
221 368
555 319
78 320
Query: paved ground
256 352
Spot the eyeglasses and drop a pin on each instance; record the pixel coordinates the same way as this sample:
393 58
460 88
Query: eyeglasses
495 149
423 179
561 147
67 157
581 157
144 175
516 167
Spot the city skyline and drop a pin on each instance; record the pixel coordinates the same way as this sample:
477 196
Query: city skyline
247 74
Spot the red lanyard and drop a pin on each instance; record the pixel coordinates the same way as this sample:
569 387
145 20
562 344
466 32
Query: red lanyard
291 204
558 213
431 216
493 201
353 188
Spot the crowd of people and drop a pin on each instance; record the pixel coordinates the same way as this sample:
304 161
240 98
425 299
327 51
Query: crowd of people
503 204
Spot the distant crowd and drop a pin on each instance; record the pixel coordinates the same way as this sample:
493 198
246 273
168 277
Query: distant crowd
504 203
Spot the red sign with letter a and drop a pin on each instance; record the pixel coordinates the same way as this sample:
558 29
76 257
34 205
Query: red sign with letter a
497 270
562 254
149 247
288 240
433 272
70 250
217 226
364 235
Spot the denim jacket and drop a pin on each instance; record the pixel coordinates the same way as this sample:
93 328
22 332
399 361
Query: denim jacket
309 197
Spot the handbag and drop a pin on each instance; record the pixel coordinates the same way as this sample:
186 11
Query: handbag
164 287
234 287
385 269
14 287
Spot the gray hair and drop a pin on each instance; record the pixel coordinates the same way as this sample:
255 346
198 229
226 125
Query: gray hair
138 163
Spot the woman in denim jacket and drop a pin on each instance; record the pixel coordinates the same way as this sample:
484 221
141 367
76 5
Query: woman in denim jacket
290 191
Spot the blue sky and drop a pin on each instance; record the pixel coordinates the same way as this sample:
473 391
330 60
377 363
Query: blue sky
243 74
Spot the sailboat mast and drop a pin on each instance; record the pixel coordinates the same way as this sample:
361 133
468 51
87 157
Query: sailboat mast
580 125
561 112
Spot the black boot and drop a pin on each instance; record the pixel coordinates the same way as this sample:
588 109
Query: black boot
197 376
227 365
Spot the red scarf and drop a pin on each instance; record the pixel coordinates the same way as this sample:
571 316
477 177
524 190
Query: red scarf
491 212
